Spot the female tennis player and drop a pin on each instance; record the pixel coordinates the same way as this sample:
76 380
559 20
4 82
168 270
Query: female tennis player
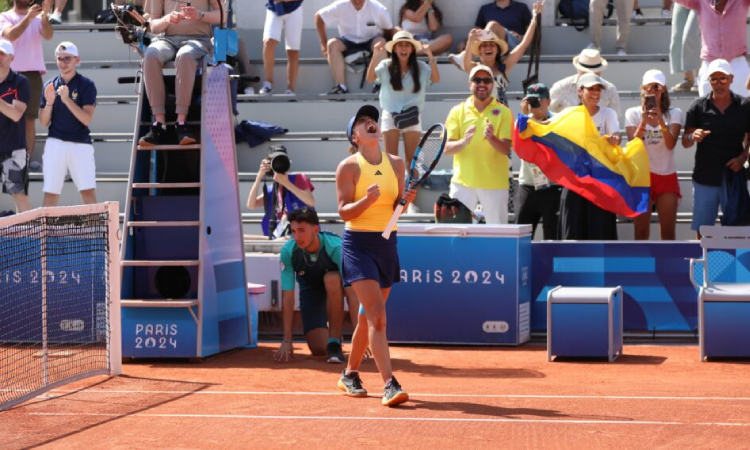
369 185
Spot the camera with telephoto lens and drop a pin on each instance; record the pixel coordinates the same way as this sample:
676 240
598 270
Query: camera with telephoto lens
280 162
131 25
533 102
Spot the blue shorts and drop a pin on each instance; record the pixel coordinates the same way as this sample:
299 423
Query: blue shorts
313 308
705 205
366 255
513 41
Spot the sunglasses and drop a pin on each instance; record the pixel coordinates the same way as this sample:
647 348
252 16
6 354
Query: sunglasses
64 59
653 87
721 80
478 80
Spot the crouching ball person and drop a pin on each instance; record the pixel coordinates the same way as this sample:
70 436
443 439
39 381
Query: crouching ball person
67 109
313 257
368 189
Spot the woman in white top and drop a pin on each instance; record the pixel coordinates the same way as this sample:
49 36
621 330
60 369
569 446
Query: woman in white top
403 80
580 219
422 18
658 125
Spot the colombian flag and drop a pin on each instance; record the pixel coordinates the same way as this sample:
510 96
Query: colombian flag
570 151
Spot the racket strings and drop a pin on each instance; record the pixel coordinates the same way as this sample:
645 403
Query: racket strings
429 152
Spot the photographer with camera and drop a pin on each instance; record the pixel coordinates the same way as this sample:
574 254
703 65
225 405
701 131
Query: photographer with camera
538 197
287 193
186 39
25 26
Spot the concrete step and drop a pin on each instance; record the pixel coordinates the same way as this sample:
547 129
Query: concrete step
315 77
307 155
114 189
624 229
325 195
316 116
556 40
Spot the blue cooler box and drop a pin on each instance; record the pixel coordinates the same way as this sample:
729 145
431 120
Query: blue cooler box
462 284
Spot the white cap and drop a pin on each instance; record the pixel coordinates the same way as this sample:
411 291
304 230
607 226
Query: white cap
590 79
654 76
719 65
480 68
66 48
6 47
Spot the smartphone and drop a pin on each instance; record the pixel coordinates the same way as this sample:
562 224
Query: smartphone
650 102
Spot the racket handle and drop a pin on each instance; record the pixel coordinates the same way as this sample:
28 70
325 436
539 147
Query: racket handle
392 223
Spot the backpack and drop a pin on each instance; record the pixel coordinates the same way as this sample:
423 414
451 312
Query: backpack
451 210
576 11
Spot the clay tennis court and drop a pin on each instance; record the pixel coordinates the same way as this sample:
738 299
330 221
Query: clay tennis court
485 397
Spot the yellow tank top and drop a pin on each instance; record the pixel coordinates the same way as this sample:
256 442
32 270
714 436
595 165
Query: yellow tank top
376 217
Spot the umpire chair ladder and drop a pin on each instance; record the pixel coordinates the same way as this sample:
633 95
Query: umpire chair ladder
184 291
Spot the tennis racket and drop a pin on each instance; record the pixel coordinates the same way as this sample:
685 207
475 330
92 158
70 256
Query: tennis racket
425 159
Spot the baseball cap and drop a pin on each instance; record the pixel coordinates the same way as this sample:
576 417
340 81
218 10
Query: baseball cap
66 48
6 47
368 111
719 65
654 76
590 79
537 90
480 68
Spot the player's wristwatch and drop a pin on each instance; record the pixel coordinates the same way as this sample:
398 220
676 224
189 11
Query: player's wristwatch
202 14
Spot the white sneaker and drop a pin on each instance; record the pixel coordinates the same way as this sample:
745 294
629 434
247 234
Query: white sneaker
637 14
665 13
412 209
55 18
267 88
289 92
249 91
592 46
621 52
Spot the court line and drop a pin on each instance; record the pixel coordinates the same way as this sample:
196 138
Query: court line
407 419
412 394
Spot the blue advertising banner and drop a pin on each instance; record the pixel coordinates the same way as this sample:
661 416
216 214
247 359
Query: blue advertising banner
158 333
461 289
75 291
654 276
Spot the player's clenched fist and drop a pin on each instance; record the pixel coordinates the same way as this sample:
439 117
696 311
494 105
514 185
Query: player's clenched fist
373 192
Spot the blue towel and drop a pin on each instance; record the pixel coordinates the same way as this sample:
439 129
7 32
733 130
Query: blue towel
255 133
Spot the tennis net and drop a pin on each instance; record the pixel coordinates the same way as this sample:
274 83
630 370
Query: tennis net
59 298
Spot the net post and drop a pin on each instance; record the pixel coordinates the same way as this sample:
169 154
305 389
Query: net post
45 325
113 271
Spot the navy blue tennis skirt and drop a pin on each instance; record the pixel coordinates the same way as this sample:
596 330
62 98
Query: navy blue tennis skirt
365 255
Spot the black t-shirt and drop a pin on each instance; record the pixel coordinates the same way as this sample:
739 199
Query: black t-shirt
728 130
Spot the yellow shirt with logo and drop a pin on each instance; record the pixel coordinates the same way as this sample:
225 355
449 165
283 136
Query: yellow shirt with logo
377 215
479 165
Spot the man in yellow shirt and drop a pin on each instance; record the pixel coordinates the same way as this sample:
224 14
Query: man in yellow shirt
479 138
